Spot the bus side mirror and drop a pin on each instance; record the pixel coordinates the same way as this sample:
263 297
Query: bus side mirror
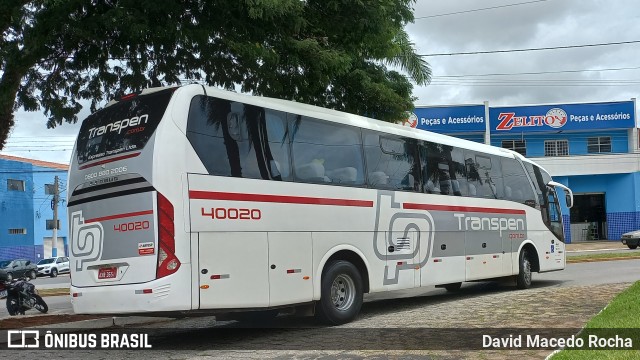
568 192
569 200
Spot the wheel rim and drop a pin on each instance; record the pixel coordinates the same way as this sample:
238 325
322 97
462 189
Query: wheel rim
343 292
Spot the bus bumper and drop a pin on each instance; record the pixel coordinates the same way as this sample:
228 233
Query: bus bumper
160 295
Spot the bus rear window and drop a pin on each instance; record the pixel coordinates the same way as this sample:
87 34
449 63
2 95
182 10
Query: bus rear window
122 127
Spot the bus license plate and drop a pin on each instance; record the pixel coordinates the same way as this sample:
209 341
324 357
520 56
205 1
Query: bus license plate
107 273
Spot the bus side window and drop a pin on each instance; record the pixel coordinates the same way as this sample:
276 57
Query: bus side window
537 185
325 152
444 172
239 140
516 183
392 162
484 175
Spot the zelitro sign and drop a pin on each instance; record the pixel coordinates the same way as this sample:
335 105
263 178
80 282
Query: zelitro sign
589 116
448 119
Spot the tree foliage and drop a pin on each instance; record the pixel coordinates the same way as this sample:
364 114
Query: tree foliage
333 53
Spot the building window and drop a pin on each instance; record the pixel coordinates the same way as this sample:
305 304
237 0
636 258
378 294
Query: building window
519 146
49 189
15 185
556 148
50 224
17 231
600 144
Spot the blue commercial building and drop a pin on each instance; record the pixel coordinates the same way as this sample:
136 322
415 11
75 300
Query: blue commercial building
590 147
26 209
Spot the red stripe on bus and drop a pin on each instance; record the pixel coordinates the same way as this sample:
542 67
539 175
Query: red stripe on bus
213 195
128 156
119 216
413 206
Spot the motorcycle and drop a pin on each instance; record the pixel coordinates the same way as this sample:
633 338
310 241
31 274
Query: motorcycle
21 296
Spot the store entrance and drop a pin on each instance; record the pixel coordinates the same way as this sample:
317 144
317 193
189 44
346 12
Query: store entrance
588 217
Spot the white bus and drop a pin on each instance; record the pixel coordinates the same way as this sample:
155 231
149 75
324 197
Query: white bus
195 200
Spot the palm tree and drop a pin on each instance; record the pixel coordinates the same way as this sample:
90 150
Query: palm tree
403 56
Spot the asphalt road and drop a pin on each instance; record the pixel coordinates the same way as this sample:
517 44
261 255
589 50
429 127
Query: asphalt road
566 298
589 273
47 282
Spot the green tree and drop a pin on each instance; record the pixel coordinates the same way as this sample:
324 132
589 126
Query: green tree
334 53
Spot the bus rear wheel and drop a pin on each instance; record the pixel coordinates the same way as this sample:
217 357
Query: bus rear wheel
523 279
341 293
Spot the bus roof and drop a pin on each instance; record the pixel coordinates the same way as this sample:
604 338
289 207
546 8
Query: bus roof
346 118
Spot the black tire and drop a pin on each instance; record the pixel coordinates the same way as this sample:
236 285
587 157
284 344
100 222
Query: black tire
12 305
54 272
9 276
523 279
40 304
453 287
633 247
340 293
32 275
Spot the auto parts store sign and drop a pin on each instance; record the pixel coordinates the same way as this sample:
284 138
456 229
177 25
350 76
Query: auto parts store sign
448 119
611 115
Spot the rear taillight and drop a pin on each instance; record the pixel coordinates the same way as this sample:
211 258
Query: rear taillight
168 263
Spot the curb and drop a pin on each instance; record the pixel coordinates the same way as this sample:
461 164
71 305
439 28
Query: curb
54 292
569 261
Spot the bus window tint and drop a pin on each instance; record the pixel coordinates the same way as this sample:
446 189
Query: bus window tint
239 140
391 162
516 183
325 152
444 172
122 127
483 175
538 185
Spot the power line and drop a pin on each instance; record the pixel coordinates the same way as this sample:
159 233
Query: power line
538 72
531 49
480 9
528 85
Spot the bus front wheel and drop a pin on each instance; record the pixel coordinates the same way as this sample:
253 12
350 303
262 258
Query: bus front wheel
341 293
523 280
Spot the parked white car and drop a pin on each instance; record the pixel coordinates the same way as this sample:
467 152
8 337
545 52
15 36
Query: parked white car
53 266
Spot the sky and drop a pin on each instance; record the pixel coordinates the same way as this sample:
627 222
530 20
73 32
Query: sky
560 76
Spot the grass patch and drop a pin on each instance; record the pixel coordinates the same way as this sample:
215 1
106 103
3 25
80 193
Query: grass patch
617 318
604 256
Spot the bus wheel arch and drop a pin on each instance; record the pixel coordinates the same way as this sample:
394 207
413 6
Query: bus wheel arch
528 263
346 253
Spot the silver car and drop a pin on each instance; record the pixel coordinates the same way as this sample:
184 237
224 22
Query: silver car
631 239
53 266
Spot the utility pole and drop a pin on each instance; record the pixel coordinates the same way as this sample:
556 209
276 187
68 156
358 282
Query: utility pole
56 194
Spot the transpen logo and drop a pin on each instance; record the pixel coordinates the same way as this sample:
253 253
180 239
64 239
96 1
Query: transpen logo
411 121
118 126
86 240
